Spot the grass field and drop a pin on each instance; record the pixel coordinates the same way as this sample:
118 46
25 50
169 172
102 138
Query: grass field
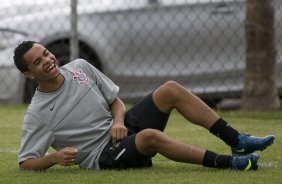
164 170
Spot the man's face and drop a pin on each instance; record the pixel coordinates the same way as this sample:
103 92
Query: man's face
42 64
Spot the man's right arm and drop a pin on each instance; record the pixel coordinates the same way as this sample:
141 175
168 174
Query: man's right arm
64 157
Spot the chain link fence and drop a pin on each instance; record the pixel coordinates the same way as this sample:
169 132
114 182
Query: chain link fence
139 44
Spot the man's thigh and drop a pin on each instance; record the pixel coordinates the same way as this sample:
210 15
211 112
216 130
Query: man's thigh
145 114
123 155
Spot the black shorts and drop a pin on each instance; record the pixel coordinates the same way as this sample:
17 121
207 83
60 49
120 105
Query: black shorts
124 154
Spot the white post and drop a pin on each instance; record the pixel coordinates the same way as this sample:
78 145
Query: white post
73 33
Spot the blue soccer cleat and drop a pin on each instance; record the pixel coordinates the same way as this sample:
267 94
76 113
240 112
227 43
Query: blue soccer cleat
246 163
248 144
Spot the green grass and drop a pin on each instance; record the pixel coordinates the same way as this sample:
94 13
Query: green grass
164 170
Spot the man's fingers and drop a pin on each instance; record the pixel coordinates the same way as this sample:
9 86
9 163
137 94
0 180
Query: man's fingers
71 150
114 140
69 161
69 157
121 134
114 135
118 134
125 132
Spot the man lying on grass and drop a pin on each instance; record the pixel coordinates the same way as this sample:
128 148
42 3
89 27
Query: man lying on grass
76 110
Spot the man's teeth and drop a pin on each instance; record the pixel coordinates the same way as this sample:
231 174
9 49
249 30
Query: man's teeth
50 67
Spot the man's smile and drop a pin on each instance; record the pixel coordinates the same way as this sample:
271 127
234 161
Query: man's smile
51 68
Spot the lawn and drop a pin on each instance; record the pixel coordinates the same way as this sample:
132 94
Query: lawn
164 170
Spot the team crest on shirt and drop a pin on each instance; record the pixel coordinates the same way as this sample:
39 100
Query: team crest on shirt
80 77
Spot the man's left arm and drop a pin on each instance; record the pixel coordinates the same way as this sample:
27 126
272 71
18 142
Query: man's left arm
118 130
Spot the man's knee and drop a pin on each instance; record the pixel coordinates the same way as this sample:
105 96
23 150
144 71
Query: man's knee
147 141
172 89
149 135
171 85
168 95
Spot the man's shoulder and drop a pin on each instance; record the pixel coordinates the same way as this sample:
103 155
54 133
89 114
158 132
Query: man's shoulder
78 66
75 64
34 106
31 112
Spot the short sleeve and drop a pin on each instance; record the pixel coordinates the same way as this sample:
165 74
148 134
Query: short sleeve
36 138
106 86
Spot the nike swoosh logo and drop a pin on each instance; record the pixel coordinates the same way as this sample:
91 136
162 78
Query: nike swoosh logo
240 150
52 107
249 165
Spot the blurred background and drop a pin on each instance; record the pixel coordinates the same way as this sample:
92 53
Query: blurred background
228 52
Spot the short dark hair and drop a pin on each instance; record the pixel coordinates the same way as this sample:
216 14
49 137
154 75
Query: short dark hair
19 53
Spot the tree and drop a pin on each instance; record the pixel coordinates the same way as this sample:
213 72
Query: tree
260 92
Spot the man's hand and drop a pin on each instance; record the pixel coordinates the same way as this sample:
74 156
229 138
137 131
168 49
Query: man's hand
118 131
66 156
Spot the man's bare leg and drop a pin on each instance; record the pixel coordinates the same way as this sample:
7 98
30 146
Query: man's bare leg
151 141
172 95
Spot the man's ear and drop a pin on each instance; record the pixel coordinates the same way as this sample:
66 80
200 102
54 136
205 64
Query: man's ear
29 75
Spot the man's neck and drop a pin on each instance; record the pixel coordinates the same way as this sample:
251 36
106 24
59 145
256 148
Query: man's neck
48 87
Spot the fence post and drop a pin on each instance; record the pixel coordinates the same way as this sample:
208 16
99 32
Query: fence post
73 33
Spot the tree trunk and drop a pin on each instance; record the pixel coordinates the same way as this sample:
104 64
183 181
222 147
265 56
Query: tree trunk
260 92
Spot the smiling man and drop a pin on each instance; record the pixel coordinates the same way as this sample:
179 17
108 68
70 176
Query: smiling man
43 68
76 110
